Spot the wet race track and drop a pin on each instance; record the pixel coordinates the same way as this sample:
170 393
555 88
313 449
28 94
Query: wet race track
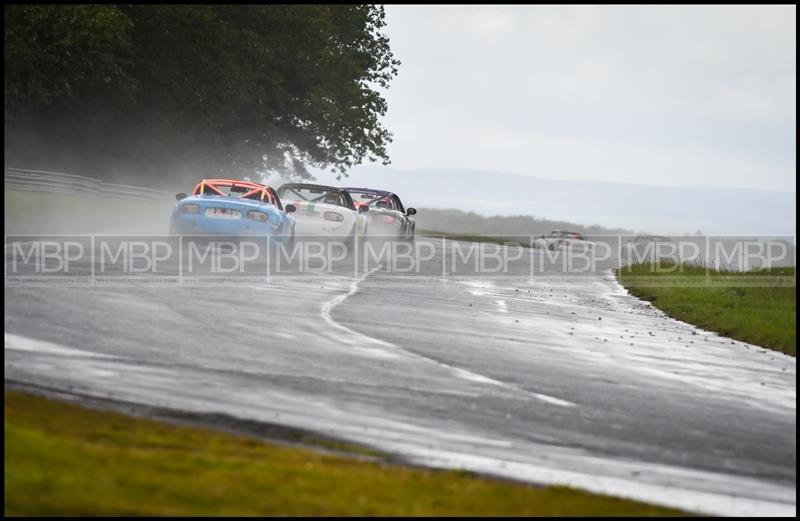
529 373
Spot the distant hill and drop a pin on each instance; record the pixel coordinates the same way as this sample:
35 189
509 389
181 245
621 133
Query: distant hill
591 204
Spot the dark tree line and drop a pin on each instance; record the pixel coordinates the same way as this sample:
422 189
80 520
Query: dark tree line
217 89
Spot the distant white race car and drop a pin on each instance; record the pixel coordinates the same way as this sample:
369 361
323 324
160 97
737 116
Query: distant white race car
324 212
559 239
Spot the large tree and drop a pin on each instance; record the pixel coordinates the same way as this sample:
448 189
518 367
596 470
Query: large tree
229 89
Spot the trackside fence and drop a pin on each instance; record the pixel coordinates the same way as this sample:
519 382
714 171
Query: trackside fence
62 183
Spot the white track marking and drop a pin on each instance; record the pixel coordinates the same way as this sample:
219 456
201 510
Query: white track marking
325 312
553 400
21 343
465 374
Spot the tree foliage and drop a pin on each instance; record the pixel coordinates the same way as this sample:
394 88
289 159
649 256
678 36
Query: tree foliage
235 88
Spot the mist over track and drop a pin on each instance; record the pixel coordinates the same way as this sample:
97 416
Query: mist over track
532 373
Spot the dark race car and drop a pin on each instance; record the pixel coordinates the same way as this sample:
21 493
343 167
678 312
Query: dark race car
386 216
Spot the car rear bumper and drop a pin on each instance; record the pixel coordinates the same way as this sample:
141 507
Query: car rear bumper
194 224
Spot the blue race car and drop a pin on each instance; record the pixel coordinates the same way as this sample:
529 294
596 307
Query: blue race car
230 207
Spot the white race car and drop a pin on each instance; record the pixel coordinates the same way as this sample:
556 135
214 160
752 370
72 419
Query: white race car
558 239
324 212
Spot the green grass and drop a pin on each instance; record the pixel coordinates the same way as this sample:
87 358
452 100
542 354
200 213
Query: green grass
758 307
61 458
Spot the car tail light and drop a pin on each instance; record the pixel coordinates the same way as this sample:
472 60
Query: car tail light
190 208
257 216
333 216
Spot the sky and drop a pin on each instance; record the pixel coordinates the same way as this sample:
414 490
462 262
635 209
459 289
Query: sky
658 95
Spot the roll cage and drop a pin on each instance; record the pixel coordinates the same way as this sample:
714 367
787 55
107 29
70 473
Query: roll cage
378 195
346 198
247 189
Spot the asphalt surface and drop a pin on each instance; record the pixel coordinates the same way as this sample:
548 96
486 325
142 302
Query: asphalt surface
529 373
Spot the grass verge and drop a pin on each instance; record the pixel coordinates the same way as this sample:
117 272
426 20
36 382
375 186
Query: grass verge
523 242
61 458
758 307
29 212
